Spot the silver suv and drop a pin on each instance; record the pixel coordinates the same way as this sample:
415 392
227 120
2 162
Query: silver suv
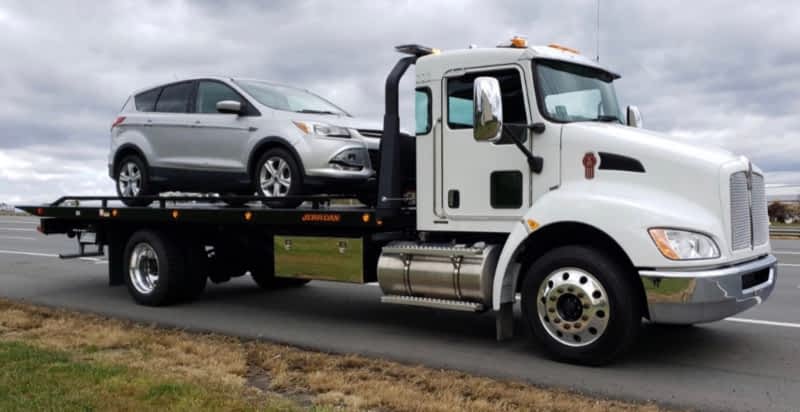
240 137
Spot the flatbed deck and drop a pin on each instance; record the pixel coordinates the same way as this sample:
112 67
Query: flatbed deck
318 217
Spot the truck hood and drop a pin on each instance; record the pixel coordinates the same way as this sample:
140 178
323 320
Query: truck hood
686 184
645 145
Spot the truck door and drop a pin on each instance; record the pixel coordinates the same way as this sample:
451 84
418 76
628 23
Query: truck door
480 181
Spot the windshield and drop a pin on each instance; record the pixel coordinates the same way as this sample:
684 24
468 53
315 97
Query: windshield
574 93
288 98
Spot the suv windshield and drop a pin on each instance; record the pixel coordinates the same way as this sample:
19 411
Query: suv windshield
288 98
573 93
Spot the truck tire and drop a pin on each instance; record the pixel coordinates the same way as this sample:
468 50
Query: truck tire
581 305
153 265
262 271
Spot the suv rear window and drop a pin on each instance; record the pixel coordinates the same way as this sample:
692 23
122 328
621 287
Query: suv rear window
174 98
146 101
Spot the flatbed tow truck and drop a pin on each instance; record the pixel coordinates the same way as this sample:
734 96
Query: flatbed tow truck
527 185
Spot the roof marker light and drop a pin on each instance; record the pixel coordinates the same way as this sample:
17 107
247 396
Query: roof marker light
518 42
563 48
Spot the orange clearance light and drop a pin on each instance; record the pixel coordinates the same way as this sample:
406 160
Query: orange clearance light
248 216
660 238
175 214
365 218
563 48
532 224
114 212
519 42
379 222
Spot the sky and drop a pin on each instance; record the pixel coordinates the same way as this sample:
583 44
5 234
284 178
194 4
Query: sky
718 72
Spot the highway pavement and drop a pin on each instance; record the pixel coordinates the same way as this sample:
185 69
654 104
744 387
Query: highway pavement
750 362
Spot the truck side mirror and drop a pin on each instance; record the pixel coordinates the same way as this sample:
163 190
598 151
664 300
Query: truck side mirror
229 106
487 110
634 117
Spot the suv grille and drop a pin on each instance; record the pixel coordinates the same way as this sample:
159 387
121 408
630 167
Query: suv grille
749 220
376 134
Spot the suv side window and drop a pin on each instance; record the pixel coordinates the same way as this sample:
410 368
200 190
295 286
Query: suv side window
459 99
146 101
211 92
174 98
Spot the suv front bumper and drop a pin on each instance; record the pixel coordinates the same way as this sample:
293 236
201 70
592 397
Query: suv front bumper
706 295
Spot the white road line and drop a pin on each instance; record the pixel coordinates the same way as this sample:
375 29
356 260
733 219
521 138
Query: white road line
764 322
19 252
791 265
17 229
785 252
95 260
17 237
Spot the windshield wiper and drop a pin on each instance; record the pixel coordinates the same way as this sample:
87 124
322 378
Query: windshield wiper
316 111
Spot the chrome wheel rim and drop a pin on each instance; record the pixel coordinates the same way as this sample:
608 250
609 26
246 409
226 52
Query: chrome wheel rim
275 178
129 180
573 307
143 269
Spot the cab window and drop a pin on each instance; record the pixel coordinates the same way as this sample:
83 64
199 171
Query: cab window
210 92
459 99
422 109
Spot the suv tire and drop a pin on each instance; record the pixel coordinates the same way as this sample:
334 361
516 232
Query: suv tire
278 175
132 181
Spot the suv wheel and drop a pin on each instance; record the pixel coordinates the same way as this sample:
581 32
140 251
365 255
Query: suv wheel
132 181
277 175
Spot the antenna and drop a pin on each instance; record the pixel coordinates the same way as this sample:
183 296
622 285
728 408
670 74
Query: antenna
597 34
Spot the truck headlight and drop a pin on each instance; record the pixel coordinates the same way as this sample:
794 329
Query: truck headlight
322 129
677 244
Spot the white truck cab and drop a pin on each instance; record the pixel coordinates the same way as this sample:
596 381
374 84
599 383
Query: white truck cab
529 143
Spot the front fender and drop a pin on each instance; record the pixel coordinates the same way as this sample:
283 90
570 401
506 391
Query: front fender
622 211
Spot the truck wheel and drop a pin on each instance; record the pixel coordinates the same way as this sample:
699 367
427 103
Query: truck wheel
132 181
581 305
277 175
153 266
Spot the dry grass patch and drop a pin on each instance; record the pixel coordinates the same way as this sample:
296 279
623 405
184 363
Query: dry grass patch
259 371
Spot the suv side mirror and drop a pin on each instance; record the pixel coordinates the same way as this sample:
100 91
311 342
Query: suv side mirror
634 117
487 110
229 106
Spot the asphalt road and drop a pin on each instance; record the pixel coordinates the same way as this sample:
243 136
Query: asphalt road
751 362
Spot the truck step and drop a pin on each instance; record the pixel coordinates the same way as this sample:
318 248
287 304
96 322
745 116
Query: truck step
433 303
412 248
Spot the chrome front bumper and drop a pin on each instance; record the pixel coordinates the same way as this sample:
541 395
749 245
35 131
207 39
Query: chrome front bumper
706 295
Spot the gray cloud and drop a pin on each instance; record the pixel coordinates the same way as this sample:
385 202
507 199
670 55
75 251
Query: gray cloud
713 71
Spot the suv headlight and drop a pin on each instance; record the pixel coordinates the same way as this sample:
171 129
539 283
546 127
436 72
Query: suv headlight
322 129
677 244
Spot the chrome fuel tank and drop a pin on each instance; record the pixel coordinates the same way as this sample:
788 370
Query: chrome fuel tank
443 271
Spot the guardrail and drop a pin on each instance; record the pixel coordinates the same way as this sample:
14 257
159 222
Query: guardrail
785 230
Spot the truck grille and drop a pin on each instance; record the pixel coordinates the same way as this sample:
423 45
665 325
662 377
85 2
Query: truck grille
749 221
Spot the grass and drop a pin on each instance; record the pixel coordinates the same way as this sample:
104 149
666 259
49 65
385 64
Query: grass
34 378
61 360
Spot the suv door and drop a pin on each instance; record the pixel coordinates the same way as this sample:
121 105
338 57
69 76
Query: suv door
221 137
170 128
